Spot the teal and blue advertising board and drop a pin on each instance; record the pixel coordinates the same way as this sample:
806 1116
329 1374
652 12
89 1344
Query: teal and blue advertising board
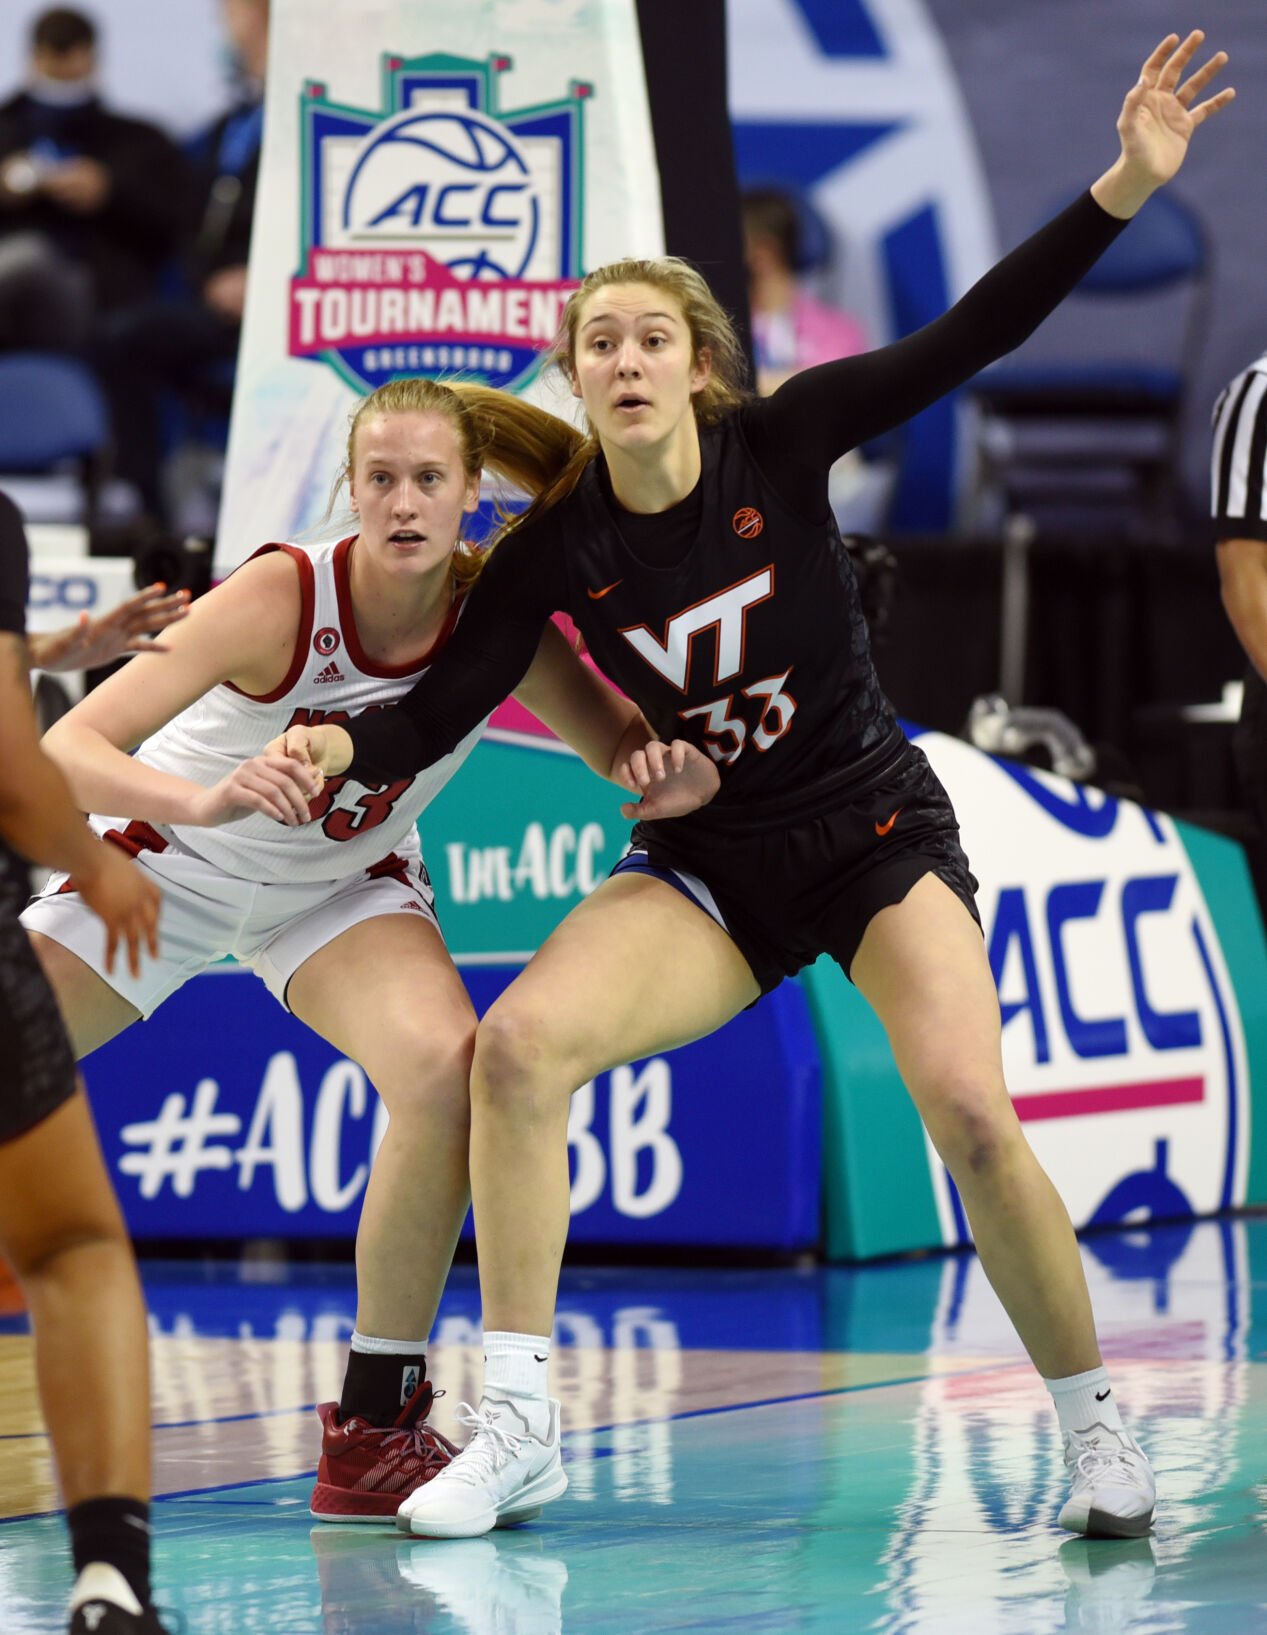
1132 972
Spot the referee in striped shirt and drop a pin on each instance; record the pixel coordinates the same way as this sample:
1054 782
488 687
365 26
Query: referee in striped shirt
1238 505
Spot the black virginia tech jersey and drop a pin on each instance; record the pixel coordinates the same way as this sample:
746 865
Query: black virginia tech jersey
745 635
753 646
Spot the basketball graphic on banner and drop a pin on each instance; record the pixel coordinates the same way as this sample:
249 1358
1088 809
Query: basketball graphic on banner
440 233
450 179
434 183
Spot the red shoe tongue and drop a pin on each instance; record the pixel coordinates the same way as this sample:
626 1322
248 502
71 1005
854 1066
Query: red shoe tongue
417 1408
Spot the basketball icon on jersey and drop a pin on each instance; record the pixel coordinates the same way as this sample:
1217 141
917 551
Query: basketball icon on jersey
326 641
747 522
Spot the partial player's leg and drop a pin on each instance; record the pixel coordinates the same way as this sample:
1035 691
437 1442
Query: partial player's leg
922 966
91 1009
61 1228
636 969
386 994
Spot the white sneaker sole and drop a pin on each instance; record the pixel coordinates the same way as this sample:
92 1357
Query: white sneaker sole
1093 1523
524 1505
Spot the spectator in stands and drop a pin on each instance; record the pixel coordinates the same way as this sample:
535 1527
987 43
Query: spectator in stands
90 202
791 329
187 344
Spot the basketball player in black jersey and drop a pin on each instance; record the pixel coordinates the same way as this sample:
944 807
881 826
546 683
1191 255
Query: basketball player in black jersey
690 538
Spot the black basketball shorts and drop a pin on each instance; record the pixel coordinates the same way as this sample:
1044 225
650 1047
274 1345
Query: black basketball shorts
812 886
39 1065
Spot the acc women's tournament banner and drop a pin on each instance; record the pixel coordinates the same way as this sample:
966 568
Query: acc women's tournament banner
435 180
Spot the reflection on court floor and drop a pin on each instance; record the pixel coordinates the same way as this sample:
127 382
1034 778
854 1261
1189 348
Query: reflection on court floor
823 1450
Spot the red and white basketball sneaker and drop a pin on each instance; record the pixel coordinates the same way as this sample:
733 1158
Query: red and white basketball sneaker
366 1470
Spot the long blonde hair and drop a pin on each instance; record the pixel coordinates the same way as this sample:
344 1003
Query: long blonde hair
535 451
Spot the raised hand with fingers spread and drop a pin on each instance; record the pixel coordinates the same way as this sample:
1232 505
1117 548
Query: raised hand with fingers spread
1157 121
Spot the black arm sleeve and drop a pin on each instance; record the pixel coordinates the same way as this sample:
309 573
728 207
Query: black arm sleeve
822 413
485 659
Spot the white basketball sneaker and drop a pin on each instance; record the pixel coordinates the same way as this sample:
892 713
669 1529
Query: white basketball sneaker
502 1476
1113 1491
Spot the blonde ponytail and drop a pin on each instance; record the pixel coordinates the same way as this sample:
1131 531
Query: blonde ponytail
535 451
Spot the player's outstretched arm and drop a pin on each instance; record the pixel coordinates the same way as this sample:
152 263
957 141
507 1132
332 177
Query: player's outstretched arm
824 411
1161 112
38 819
129 628
244 631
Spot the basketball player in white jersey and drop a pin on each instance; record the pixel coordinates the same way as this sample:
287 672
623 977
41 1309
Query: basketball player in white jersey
322 890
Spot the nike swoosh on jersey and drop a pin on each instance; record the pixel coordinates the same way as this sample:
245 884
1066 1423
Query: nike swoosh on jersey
597 595
882 829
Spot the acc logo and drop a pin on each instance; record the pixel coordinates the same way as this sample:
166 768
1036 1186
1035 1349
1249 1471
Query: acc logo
326 641
441 233
75 591
1116 1002
747 522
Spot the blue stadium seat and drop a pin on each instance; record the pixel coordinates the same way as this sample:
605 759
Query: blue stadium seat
1110 423
53 418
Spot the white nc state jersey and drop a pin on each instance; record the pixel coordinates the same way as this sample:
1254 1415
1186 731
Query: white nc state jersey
330 678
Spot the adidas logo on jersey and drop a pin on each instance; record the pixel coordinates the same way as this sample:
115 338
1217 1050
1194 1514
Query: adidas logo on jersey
330 673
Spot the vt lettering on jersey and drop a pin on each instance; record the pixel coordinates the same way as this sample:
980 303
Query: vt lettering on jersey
726 612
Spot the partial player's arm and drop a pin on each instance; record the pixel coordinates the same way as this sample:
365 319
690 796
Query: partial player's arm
823 412
1243 582
129 628
243 631
612 736
39 820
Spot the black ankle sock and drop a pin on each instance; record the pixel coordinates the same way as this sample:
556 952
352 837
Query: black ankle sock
377 1385
116 1531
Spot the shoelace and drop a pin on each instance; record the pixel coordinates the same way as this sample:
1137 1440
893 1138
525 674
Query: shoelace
1094 1461
427 1443
491 1445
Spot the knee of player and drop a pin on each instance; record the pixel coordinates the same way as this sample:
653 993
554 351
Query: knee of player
975 1129
67 1248
424 1067
519 1053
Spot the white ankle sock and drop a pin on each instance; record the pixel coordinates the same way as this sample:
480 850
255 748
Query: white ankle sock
517 1365
1083 1400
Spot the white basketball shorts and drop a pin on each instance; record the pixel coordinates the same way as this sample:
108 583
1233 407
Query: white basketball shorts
207 915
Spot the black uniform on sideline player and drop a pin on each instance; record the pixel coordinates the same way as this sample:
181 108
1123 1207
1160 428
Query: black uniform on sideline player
60 1225
690 538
